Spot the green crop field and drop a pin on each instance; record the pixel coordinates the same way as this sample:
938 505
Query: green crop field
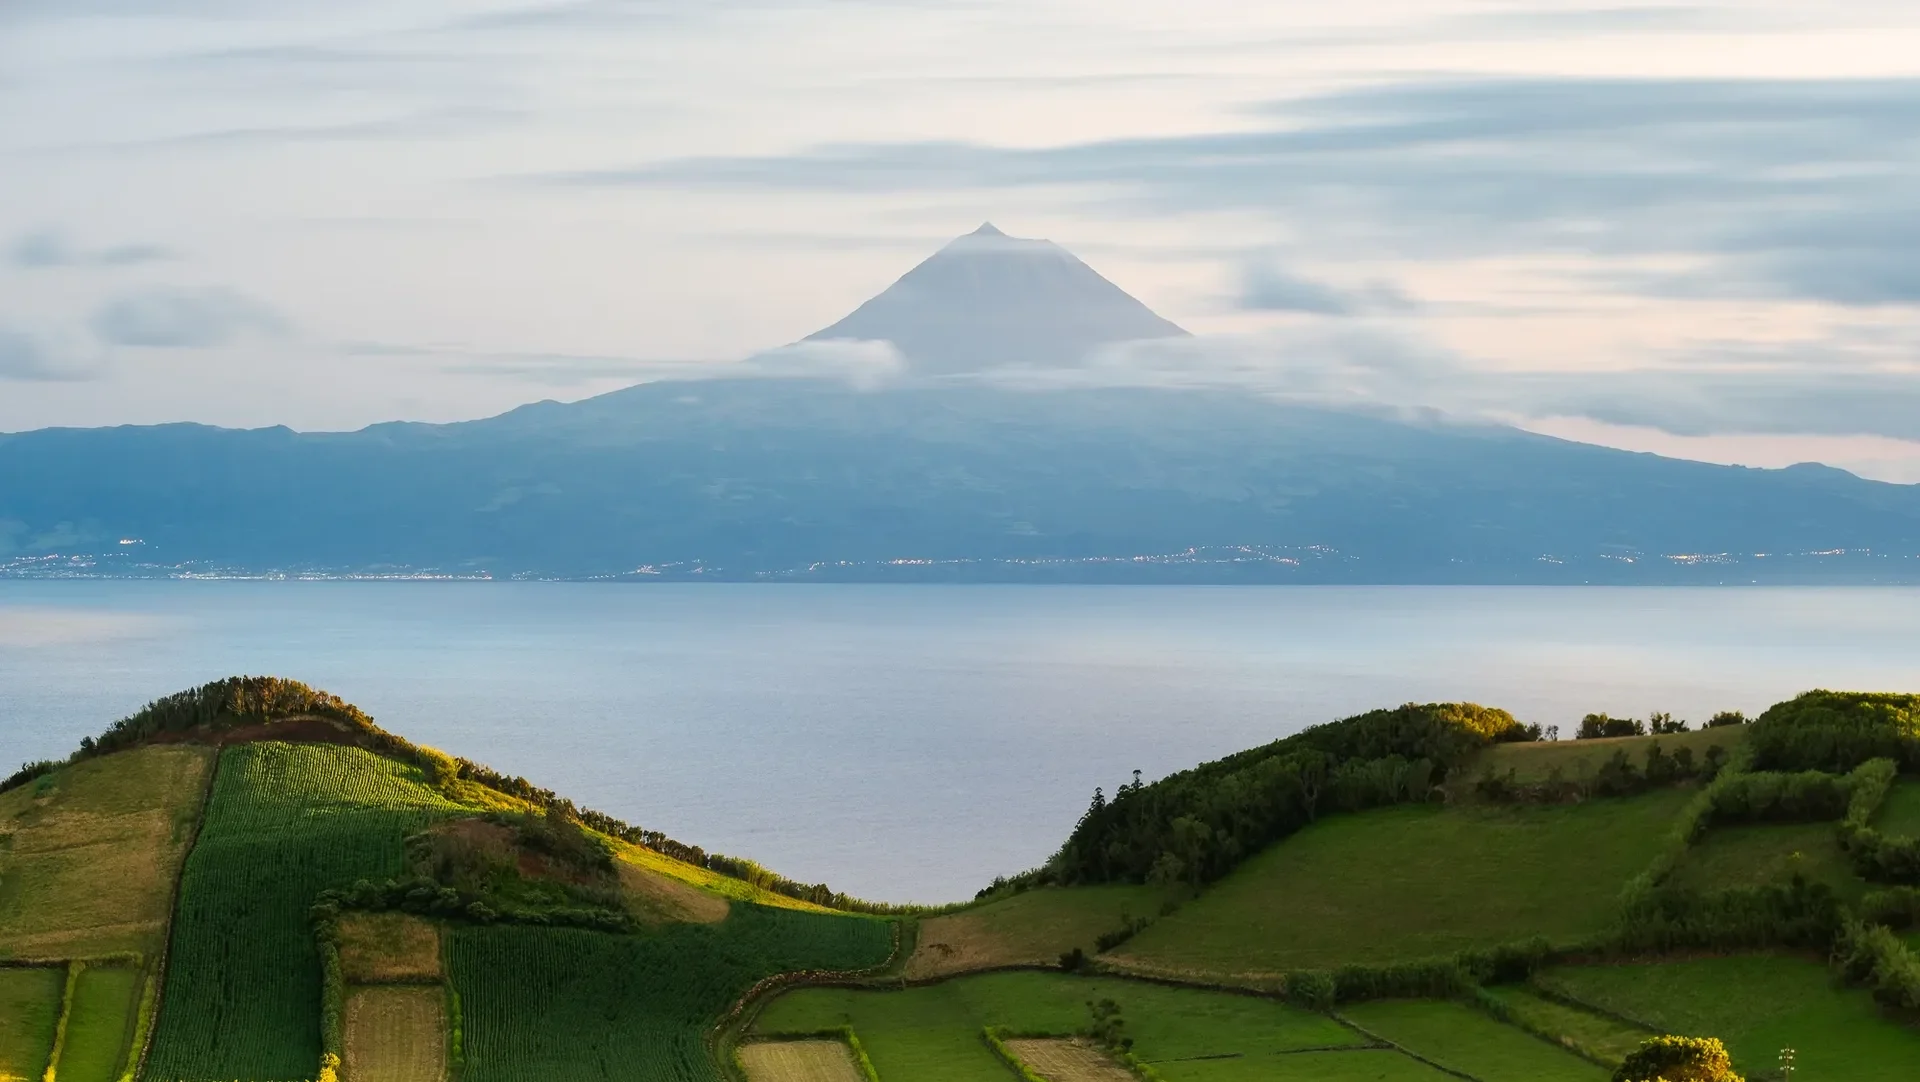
1413 881
1900 815
1356 1065
933 1031
242 997
1465 1040
101 1024
1755 854
93 851
1606 1036
1033 926
29 1011
549 1003
1758 1004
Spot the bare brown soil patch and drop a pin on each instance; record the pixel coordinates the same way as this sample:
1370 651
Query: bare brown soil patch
396 1033
1060 1060
389 948
799 1061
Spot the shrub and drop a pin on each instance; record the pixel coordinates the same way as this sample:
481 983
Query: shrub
28 772
1796 914
1871 956
1725 718
1678 1059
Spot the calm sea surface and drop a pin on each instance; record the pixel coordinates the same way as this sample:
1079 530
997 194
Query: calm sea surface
909 743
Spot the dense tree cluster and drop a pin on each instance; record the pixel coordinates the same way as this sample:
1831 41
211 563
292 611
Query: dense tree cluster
1836 731
1197 825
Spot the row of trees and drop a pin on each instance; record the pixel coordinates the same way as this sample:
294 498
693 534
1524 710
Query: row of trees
1601 726
1197 825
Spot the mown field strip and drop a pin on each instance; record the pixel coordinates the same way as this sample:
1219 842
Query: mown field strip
800 1061
101 1024
29 1011
396 1033
1059 1060
1607 1037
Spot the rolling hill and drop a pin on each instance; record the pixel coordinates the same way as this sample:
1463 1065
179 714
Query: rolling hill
253 881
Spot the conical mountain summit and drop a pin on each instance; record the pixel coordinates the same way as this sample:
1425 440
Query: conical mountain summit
988 300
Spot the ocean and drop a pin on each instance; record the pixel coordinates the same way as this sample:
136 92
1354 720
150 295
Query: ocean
909 743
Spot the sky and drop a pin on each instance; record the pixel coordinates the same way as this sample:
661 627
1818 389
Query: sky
1690 229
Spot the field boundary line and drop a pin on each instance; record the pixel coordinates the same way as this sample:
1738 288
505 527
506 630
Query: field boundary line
1567 999
1400 1048
1486 1003
725 1035
173 914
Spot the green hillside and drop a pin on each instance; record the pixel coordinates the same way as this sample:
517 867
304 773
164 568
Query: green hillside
252 882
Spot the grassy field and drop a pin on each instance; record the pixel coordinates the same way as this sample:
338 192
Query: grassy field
551 1003
1758 1004
1750 855
242 998
1606 1036
1356 1065
800 1061
101 1024
1578 758
29 1011
710 883
1035 926
933 1031
396 1033
88 854
1059 1060
1900 815
1463 1039
388 948
1412 881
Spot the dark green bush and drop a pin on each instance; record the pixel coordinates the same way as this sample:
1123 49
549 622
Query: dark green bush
1836 731
1600 726
1872 957
1667 918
